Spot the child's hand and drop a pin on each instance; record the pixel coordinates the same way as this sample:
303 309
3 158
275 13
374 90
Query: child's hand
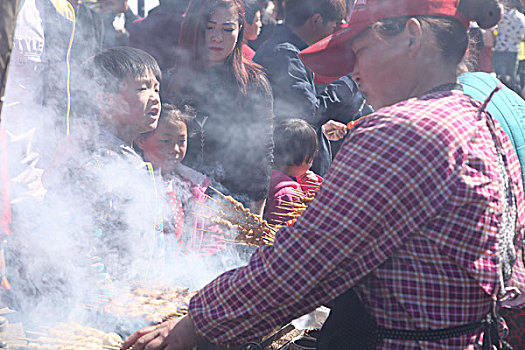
308 177
310 181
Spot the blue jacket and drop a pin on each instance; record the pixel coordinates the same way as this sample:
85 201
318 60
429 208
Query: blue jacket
295 94
507 107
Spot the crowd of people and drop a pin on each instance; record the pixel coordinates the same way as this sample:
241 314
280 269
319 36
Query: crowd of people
415 237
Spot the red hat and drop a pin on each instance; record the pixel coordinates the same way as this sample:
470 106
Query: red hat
333 56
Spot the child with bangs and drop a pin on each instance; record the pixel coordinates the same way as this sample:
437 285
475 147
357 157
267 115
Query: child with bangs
296 146
165 148
98 222
114 197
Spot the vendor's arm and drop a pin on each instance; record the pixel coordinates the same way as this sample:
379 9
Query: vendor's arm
370 202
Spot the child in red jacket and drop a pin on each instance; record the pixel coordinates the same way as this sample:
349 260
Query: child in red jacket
291 180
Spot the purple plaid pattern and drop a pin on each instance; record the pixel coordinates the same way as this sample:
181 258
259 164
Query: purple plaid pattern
407 215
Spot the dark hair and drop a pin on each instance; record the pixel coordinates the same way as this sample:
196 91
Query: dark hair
296 12
450 34
104 72
173 114
250 9
111 66
295 141
191 42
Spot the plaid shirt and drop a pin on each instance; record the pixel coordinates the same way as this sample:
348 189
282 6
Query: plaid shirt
407 215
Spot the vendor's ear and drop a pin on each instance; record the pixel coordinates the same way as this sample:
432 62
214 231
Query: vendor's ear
414 33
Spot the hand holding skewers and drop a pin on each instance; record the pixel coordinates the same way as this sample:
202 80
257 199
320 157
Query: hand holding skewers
334 131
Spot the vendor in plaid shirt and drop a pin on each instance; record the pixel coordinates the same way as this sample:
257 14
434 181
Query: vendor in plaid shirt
405 233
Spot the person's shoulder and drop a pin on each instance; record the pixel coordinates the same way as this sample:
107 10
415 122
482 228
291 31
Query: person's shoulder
430 111
276 46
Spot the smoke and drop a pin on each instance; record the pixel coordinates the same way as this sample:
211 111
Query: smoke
87 221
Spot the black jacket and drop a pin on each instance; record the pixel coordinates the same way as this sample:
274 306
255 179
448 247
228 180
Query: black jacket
231 139
294 91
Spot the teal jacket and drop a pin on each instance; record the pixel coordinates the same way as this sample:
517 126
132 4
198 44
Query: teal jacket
507 107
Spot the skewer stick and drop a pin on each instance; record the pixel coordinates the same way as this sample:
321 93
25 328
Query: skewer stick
281 207
312 182
289 215
204 230
210 197
207 207
37 333
216 190
32 340
287 204
110 347
202 215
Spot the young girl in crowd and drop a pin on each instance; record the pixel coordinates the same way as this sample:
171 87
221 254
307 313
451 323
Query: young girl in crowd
165 148
295 149
233 140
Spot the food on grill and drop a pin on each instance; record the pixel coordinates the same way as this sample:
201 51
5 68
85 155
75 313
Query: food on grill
154 304
72 336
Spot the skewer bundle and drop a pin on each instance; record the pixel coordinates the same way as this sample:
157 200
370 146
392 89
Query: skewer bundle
71 336
153 304
251 229
292 210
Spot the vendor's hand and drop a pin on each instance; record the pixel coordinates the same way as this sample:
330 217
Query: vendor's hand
176 334
334 131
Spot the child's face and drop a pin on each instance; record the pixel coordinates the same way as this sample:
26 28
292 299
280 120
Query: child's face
136 107
165 148
299 170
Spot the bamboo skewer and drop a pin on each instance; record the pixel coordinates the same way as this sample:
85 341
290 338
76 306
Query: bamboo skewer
209 197
217 191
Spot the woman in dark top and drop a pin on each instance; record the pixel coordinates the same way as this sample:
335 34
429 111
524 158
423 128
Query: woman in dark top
232 143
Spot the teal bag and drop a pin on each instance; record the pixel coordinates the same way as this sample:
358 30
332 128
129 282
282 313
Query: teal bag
507 107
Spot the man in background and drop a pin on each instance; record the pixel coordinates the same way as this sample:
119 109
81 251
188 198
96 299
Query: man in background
295 95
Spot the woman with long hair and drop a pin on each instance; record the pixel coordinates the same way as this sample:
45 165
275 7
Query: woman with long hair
232 142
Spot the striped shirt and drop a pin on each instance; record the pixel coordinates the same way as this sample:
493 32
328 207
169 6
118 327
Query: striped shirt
407 215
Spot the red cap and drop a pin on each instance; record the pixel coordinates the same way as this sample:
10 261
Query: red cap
333 56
